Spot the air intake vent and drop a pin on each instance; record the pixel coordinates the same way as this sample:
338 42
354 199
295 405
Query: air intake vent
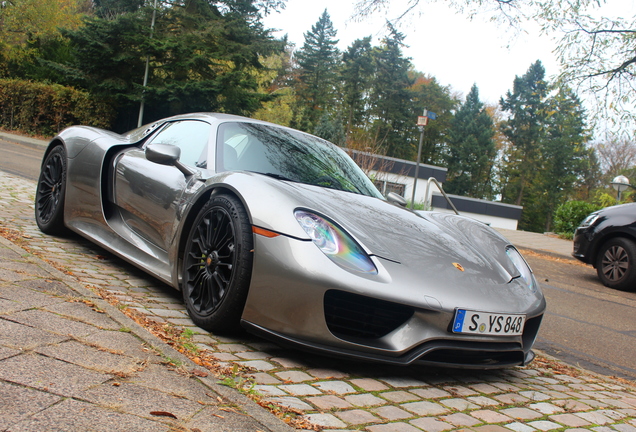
355 316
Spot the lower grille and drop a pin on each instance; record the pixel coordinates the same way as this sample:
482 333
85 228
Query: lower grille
354 316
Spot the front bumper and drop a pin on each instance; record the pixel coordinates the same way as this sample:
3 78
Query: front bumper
298 297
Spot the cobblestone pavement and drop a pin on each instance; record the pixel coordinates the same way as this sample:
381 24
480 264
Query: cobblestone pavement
348 396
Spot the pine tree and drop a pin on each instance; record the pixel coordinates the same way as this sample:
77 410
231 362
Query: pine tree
356 75
526 108
563 153
318 62
390 99
471 149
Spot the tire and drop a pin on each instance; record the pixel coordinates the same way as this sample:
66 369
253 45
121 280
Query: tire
50 193
616 264
217 265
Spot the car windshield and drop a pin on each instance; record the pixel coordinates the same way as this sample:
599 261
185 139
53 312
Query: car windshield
289 155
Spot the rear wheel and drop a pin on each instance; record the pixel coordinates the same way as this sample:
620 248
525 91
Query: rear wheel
616 264
50 193
217 265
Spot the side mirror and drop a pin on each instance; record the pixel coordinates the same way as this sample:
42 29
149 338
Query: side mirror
164 154
167 154
394 198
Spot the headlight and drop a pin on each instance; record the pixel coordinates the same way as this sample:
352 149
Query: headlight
523 267
589 220
335 243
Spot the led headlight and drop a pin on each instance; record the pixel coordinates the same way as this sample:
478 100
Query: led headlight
335 243
523 267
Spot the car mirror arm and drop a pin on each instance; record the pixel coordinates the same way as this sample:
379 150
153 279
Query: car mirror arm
186 170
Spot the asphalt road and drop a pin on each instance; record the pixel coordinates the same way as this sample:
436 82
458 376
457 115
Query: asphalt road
586 323
20 159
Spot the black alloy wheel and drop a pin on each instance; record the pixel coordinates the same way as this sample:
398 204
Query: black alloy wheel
616 265
217 265
50 193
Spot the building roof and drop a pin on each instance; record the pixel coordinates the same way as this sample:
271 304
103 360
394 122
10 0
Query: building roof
370 161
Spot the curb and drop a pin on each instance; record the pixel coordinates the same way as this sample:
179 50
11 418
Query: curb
248 406
23 140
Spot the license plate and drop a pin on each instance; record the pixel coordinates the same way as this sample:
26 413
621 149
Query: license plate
484 323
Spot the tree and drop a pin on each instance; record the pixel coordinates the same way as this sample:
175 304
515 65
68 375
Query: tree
428 94
29 30
471 150
547 157
202 58
564 155
356 75
277 82
525 106
111 8
595 49
616 155
318 62
390 98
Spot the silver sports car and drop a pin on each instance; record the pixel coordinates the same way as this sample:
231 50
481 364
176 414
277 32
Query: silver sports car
281 232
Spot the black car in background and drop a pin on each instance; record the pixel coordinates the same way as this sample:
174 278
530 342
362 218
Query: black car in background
607 240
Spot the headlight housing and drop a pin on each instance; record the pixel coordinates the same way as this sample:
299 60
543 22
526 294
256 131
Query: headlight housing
524 269
335 243
589 220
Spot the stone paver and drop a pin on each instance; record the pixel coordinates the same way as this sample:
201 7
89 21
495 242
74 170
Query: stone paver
425 408
329 393
521 413
357 417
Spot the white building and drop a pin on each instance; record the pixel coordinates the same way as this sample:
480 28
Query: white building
397 175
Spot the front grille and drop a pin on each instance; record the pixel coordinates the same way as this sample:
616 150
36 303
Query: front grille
354 316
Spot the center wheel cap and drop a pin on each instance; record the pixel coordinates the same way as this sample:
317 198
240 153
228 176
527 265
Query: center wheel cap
212 259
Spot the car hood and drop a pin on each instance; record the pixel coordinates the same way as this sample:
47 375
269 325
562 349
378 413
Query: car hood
436 243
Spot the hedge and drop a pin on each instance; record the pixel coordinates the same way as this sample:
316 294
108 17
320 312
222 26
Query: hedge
46 109
569 215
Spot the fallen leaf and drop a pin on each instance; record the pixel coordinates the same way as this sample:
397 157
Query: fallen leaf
199 373
162 414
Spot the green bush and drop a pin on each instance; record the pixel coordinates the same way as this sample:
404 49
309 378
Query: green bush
46 109
569 215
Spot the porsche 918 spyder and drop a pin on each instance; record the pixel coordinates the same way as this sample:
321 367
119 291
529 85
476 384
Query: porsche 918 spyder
280 232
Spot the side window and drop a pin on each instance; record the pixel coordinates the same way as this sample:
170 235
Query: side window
191 136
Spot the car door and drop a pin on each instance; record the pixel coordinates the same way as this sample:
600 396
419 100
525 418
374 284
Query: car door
148 194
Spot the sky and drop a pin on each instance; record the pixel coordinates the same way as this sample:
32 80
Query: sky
455 50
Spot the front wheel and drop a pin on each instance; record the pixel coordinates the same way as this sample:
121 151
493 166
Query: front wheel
217 265
616 264
50 193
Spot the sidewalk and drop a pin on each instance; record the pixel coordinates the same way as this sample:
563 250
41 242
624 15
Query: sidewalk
539 243
69 361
